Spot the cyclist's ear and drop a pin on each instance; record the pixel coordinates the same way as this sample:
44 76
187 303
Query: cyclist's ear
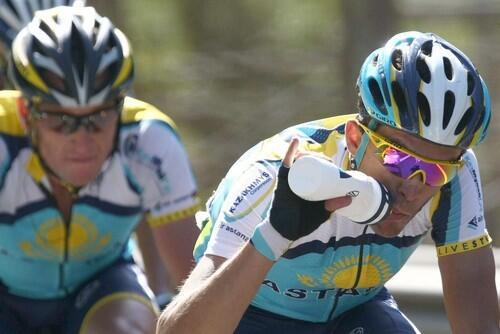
353 135
22 108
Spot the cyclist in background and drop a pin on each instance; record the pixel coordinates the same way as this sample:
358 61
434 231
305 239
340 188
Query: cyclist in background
16 14
277 263
82 165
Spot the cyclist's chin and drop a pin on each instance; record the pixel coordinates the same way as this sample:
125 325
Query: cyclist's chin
80 174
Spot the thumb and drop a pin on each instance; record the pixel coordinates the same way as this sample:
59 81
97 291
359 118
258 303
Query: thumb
337 203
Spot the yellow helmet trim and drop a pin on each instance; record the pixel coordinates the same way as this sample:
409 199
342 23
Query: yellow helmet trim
24 67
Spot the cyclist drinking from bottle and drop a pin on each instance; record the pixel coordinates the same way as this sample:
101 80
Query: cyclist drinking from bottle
269 261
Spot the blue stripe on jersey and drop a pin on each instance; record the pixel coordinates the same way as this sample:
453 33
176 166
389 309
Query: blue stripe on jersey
33 207
440 217
10 218
448 212
147 122
132 180
109 207
320 135
456 211
318 247
14 145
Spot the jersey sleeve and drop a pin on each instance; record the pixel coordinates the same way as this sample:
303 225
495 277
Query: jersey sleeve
241 202
160 166
457 213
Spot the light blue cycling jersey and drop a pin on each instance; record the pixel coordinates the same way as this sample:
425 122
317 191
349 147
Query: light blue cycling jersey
341 264
148 175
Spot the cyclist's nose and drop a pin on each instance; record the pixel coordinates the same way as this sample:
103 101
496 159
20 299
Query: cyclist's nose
81 137
411 188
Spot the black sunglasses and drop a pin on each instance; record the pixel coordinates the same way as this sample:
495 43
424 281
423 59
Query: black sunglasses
67 124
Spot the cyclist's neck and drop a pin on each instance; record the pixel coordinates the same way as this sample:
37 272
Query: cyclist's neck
63 195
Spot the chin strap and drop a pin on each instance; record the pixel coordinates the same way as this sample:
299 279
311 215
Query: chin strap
355 160
71 188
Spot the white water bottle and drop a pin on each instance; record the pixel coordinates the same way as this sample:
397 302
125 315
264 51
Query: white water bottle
317 179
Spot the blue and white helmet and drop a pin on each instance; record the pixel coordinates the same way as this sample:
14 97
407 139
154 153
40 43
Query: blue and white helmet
422 84
15 14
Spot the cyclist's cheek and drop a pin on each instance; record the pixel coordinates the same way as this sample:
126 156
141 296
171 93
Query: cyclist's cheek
78 157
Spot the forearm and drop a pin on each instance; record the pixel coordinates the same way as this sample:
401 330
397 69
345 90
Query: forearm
175 242
475 314
156 272
470 294
217 304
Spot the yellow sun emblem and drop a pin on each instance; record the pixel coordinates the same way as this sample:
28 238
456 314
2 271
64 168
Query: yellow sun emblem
343 274
81 240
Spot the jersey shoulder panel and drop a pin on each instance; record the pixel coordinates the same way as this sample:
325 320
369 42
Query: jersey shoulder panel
157 163
135 110
10 120
457 212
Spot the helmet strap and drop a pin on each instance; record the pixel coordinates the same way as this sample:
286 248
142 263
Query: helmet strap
355 161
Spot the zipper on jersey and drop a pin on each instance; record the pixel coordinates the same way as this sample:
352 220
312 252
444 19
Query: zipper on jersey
340 292
66 226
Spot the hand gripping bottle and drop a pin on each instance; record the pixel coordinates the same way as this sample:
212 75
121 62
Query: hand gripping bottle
317 179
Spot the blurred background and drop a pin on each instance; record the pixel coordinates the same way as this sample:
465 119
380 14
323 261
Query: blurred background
231 73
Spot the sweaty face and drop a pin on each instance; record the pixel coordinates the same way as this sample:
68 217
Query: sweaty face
409 194
75 142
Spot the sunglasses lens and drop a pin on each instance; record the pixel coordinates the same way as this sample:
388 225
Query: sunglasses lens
100 121
57 123
438 175
407 166
67 124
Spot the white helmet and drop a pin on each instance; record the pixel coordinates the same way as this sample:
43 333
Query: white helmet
15 14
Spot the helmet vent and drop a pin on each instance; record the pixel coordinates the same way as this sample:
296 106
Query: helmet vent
470 83
12 8
448 70
399 97
95 31
424 108
427 48
423 69
377 96
49 31
449 105
55 81
481 118
397 59
78 52
375 60
464 121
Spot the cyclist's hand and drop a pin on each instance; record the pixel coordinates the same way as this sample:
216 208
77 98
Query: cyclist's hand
291 217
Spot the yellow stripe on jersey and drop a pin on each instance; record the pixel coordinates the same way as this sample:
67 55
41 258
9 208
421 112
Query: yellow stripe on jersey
135 110
464 246
34 168
10 120
171 217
